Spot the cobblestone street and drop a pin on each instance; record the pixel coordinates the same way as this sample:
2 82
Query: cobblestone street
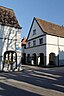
33 81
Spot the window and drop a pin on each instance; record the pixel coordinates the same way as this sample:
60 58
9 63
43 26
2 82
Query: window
41 41
28 58
34 43
34 31
28 44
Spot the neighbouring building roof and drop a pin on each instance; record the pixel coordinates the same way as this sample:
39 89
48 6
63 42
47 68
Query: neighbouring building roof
8 18
50 28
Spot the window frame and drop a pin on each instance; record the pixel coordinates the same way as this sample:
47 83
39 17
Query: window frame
34 31
28 44
41 41
34 42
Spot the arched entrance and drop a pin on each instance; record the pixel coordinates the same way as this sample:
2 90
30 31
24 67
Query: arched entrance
52 59
10 60
23 58
28 59
34 58
41 55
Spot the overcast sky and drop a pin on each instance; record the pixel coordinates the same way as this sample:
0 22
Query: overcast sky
26 10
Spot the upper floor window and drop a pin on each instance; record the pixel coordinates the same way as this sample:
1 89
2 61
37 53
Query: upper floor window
41 41
34 43
34 31
28 44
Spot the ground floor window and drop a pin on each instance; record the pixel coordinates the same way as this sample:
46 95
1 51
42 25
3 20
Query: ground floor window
34 58
41 55
28 59
23 59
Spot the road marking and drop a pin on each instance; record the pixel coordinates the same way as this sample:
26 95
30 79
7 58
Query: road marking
42 76
58 85
1 88
32 88
2 78
43 73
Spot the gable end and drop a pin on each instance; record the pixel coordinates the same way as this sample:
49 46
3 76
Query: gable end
32 25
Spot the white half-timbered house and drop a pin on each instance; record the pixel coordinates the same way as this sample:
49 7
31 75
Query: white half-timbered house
9 34
45 44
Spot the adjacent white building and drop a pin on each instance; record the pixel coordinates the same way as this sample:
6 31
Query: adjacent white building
9 33
45 44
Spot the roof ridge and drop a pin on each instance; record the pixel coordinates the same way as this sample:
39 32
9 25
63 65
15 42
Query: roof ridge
48 22
6 8
50 28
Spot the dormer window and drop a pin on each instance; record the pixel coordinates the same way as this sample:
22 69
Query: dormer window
34 31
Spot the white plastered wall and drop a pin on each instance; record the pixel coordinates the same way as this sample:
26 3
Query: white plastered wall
38 31
61 51
1 40
18 46
38 48
51 47
10 40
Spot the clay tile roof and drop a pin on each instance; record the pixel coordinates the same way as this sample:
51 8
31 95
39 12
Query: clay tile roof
8 18
50 28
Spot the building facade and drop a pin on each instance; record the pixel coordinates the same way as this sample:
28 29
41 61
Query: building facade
9 33
23 45
45 44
